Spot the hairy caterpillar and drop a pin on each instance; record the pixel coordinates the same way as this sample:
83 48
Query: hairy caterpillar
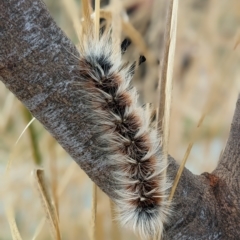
122 130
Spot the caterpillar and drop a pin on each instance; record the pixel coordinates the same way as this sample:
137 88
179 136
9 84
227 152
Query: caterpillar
121 130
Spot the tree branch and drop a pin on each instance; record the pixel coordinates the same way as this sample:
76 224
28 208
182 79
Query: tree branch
229 163
39 64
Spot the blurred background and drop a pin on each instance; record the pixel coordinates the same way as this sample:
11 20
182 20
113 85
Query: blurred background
206 80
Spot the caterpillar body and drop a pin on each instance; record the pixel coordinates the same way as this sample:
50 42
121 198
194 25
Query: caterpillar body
122 131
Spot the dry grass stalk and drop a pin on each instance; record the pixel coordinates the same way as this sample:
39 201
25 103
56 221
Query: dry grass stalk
86 13
29 123
116 234
73 13
165 80
183 163
214 100
12 223
32 137
97 15
237 43
47 204
54 172
116 11
107 15
66 178
131 32
94 190
7 110
38 229
101 215
94 211
62 186
129 3
11 156
137 39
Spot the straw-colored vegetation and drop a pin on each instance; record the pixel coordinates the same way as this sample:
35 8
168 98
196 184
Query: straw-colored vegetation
206 81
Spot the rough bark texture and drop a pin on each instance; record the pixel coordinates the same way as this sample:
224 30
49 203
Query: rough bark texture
37 64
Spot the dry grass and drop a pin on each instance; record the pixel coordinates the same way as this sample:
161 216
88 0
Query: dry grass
47 203
12 224
183 163
205 79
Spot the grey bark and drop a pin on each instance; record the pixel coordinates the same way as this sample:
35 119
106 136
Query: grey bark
37 64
